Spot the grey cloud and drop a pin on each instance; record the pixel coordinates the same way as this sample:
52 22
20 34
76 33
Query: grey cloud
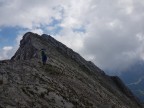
114 47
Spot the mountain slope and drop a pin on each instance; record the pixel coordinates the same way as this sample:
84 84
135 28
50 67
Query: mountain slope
133 77
66 81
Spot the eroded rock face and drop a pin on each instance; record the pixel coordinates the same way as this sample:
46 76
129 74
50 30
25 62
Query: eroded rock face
66 81
26 50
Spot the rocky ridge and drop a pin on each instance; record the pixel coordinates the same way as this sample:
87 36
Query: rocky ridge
66 81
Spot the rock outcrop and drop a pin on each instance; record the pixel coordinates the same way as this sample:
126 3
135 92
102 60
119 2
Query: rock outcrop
66 81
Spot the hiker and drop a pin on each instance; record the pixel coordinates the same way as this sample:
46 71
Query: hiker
44 57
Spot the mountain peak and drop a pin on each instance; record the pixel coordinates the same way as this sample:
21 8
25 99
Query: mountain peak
67 80
28 46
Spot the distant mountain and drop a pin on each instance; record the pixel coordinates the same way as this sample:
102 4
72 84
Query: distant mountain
66 81
133 77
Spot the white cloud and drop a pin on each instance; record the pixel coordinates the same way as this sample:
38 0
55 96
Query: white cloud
27 13
71 39
38 31
6 52
7 48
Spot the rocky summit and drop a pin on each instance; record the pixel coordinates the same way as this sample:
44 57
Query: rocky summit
66 81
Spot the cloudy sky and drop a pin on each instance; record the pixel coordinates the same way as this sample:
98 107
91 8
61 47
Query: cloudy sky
108 32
